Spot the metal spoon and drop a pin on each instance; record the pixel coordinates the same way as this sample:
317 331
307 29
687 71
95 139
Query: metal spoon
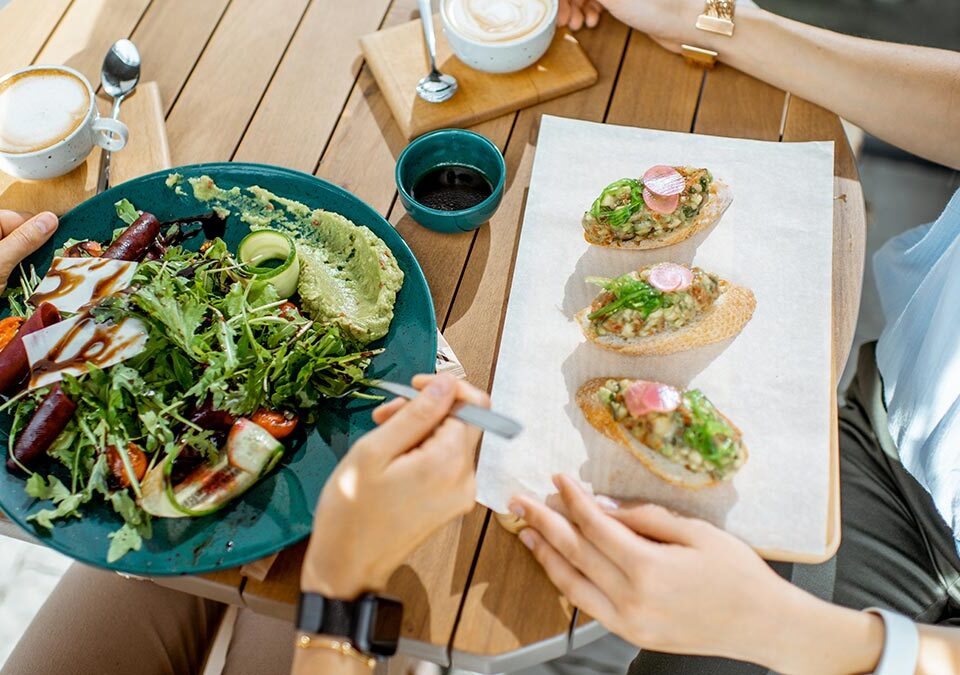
435 87
119 76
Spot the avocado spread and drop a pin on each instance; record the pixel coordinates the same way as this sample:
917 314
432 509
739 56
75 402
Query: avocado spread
348 275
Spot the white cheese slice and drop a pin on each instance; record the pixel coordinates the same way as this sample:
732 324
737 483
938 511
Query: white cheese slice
71 283
68 346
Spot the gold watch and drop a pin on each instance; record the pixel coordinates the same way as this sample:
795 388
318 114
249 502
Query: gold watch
717 18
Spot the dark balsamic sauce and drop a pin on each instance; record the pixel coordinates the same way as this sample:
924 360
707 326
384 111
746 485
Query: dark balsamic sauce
453 187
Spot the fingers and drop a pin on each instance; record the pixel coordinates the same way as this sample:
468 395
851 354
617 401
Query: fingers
569 542
592 13
612 538
11 220
443 464
576 587
575 22
385 411
415 421
660 524
23 240
466 392
563 13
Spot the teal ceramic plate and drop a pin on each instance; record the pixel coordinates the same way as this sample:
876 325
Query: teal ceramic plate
278 511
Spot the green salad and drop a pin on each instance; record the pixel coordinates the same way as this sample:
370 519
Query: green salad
228 369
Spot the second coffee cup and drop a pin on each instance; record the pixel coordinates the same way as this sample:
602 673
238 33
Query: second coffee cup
499 36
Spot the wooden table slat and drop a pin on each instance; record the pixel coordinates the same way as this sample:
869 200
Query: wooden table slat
208 121
27 25
171 36
656 90
362 150
87 30
311 85
737 105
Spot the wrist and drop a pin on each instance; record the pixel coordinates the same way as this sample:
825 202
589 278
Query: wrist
807 635
335 576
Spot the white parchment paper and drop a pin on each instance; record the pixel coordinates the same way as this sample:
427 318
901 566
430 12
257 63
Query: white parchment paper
773 380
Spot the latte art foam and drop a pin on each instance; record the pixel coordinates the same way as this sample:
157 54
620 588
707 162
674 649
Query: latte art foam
498 20
39 108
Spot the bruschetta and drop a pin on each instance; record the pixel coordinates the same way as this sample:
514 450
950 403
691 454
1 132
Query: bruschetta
678 435
666 206
665 308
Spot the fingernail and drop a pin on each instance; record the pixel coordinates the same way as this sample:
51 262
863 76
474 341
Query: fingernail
440 387
556 480
45 222
527 539
517 510
606 503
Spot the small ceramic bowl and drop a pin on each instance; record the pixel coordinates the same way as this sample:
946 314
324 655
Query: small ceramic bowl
447 147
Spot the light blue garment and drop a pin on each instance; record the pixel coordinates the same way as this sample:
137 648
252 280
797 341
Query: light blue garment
918 276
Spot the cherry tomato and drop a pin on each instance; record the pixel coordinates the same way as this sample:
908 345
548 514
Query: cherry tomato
276 423
138 462
289 310
8 329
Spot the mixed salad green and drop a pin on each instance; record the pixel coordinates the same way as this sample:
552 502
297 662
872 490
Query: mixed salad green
222 346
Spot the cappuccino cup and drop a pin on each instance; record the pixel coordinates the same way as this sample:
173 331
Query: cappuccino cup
499 36
49 122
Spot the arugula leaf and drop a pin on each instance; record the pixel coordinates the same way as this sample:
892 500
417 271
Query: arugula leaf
123 541
51 488
126 211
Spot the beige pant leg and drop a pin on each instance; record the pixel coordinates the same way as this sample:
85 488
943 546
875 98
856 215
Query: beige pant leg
98 623
261 645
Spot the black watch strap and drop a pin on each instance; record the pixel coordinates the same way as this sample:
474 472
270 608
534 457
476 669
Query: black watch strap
320 615
370 623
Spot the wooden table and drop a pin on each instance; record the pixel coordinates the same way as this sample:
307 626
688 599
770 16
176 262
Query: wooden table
282 82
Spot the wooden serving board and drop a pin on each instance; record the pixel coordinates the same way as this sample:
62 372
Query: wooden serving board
398 60
146 151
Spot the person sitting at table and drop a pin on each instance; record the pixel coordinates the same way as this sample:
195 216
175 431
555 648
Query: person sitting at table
672 584
662 581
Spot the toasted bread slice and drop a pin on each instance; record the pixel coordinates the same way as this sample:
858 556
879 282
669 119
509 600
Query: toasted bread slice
721 196
672 472
725 318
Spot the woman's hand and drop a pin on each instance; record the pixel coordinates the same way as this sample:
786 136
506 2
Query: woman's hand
575 14
398 484
21 235
680 585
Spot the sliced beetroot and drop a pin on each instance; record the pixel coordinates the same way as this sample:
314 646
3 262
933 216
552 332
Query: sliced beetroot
660 204
670 277
664 181
644 397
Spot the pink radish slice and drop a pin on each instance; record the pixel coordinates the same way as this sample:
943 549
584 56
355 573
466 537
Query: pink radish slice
670 277
664 181
660 204
644 397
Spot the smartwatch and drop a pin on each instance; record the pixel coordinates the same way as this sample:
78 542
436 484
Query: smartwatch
371 623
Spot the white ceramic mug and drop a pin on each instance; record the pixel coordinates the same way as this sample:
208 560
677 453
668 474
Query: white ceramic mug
69 152
499 56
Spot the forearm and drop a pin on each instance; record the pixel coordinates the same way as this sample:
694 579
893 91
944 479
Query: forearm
799 634
939 651
909 96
